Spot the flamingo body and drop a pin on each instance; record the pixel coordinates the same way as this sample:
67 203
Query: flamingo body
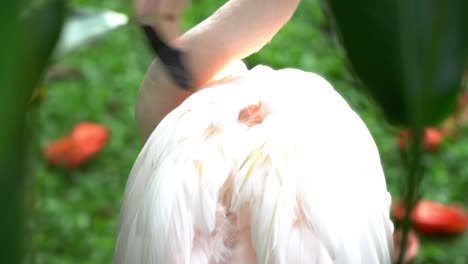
263 166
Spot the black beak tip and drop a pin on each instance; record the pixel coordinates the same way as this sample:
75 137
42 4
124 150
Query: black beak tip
181 76
172 59
174 63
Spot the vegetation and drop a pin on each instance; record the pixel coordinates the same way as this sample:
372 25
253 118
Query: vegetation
76 211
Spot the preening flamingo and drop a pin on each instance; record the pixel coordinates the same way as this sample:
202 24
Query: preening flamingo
257 166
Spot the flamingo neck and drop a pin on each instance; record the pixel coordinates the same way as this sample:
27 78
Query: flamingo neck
236 30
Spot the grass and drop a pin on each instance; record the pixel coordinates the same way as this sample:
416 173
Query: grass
75 212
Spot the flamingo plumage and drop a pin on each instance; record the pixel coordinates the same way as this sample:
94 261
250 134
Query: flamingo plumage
257 166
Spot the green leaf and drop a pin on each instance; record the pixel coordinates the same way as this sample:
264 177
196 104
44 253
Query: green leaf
408 54
29 32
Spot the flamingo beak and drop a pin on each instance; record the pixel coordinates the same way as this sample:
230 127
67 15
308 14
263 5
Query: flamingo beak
172 59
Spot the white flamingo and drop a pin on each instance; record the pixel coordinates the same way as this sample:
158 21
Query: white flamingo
259 166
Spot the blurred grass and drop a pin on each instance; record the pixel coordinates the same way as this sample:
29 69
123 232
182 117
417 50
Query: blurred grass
76 212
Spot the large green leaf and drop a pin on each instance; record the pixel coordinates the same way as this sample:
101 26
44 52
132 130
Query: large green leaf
408 54
29 31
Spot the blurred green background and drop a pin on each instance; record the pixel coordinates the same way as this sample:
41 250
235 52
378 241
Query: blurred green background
76 211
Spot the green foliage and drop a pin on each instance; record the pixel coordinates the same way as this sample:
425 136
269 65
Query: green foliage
76 212
409 54
24 54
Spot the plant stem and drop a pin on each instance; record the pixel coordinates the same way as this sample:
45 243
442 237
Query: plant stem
415 168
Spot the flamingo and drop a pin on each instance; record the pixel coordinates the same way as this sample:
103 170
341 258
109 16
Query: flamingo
255 166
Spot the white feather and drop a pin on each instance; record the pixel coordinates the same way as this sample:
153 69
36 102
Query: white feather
304 185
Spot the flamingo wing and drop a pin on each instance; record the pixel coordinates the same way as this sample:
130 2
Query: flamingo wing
268 167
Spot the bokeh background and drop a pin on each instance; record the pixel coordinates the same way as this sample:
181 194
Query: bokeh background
75 211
